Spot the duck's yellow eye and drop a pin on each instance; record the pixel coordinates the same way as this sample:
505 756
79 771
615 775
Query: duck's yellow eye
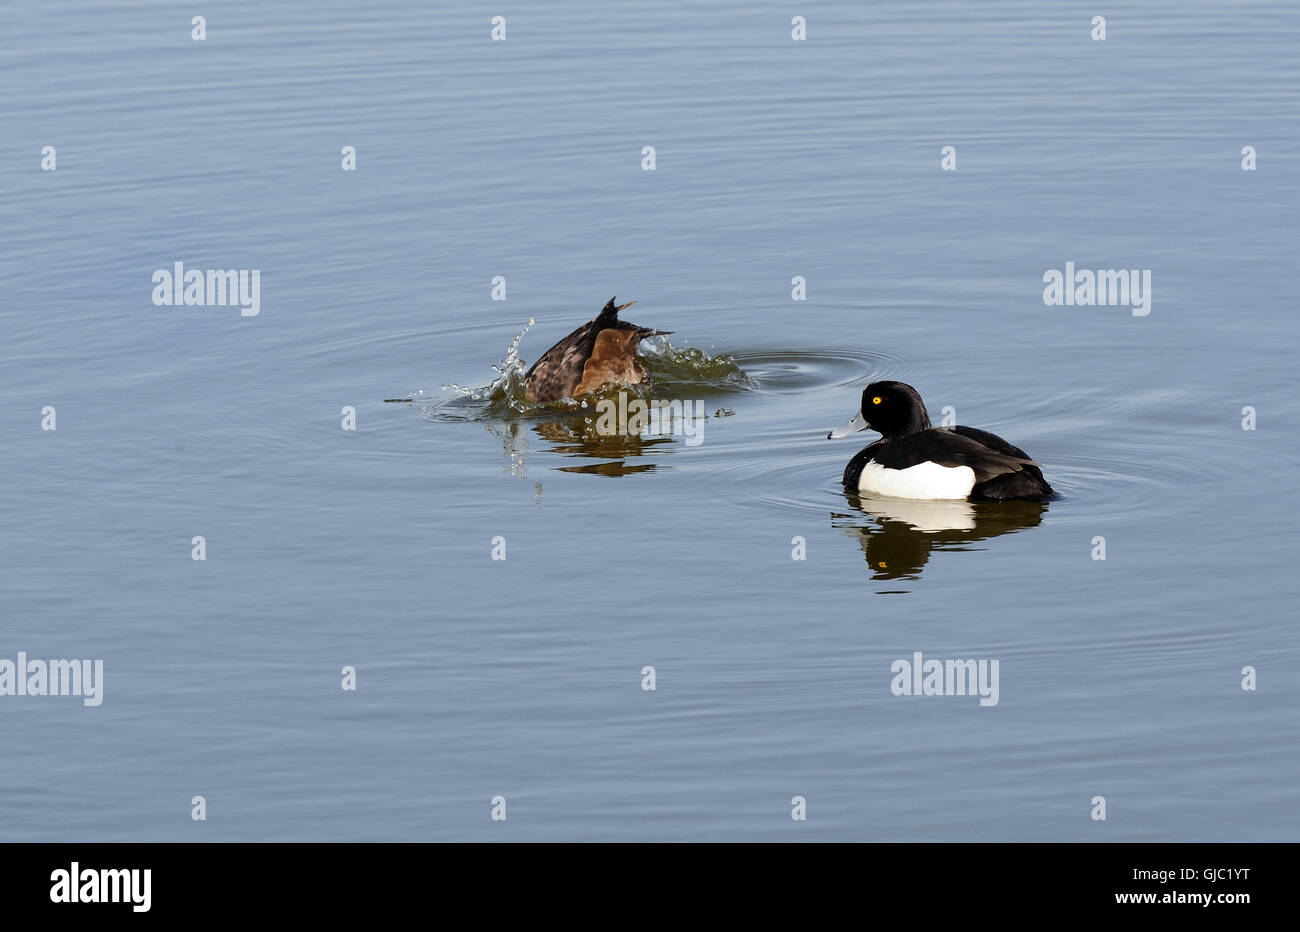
876 400
882 565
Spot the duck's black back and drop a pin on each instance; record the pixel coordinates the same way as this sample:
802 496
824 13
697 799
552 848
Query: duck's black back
1028 483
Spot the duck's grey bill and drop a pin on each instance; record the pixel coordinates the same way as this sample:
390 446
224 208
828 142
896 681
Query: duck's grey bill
852 427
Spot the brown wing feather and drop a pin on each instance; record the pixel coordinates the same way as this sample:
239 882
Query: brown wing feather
558 371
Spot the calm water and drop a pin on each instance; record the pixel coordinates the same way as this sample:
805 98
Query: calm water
522 678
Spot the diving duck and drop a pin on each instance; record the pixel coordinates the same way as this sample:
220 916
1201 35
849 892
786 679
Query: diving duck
600 352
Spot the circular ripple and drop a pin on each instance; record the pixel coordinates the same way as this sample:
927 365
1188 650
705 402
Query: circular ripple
793 371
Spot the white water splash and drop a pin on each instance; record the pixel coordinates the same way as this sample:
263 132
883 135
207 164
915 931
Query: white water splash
509 370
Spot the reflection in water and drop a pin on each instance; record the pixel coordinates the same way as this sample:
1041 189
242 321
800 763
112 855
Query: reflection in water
579 437
514 442
898 536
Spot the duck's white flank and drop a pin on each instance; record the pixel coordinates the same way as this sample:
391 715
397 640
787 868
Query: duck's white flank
922 481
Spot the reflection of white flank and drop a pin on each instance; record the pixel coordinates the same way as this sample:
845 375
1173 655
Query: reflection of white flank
924 516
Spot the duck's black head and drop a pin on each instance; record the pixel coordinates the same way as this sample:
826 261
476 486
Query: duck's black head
893 409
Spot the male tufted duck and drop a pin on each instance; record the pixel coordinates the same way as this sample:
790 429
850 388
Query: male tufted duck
914 460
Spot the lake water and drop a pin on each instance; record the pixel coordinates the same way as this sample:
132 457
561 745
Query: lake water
522 678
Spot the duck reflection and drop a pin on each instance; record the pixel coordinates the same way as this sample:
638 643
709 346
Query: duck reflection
577 436
898 536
